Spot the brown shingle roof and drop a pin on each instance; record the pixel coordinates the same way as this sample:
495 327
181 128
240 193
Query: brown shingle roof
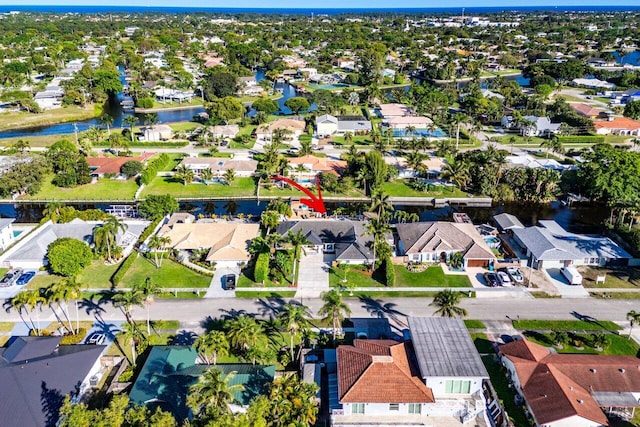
113 164
557 386
369 369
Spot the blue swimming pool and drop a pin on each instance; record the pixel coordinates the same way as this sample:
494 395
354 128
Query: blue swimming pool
437 133
329 87
492 241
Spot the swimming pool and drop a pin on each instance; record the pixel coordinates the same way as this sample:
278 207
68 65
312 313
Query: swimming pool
330 86
437 133
492 241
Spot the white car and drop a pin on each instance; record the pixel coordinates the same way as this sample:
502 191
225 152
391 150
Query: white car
96 338
515 274
505 280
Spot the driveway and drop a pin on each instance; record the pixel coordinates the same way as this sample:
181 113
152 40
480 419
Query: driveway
216 289
562 285
313 276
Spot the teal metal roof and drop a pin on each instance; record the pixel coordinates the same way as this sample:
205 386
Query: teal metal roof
169 371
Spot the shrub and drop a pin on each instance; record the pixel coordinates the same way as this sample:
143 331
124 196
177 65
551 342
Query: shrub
157 206
124 267
131 168
148 231
145 102
126 375
581 139
389 272
74 339
261 268
68 256
153 167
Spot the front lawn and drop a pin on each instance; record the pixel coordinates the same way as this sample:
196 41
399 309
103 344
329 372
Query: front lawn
432 277
398 188
104 189
565 325
170 185
623 277
617 344
170 275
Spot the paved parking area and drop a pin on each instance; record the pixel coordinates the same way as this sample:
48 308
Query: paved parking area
216 289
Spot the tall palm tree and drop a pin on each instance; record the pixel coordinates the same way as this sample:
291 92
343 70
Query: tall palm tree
633 317
447 302
213 392
214 343
157 242
53 210
457 171
414 161
105 235
131 122
32 301
244 332
68 289
334 309
297 240
381 204
294 319
377 228
135 336
19 303
149 289
107 121
126 301
185 174
348 137
206 175
229 176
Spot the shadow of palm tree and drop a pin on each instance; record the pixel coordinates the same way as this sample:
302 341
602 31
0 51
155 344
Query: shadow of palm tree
183 338
51 400
377 308
270 306
95 307
233 313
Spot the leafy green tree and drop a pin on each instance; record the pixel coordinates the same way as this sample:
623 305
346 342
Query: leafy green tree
447 302
225 109
68 257
334 309
157 206
219 84
265 105
212 344
632 110
375 170
131 168
292 402
297 104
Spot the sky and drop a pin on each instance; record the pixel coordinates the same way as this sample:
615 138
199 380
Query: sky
344 4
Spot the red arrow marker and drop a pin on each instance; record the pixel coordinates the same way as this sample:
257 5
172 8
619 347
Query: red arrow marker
313 202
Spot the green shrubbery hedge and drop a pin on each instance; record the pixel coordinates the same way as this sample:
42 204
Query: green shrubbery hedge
581 139
389 272
153 168
261 268
74 339
124 267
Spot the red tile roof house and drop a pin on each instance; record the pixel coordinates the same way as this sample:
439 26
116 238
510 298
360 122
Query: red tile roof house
587 110
101 166
434 379
571 389
618 126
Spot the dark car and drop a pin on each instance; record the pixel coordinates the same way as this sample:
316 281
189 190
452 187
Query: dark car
492 279
25 278
229 282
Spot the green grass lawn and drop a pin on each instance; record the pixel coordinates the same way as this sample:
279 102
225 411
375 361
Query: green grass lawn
431 277
170 275
95 276
170 185
246 282
623 277
23 119
616 295
175 159
520 140
265 294
399 189
474 324
288 191
6 326
104 189
618 345
184 126
565 325
506 395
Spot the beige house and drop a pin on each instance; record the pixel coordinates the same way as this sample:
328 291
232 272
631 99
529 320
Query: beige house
219 165
224 131
296 127
227 241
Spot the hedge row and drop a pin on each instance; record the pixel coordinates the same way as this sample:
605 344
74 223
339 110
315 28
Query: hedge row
74 339
124 267
173 144
261 268
389 272
581 139
153 167
148 231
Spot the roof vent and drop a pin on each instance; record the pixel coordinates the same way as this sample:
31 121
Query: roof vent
593 370
571 387
622 370
580 401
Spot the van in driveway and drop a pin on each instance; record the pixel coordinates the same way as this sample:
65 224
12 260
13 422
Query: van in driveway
571 274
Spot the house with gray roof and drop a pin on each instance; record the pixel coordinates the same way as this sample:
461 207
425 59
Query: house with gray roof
551 246
327 125
31 251
506 221
35 375
344 239
437 241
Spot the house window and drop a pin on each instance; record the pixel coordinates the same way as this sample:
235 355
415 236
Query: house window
415 408
357 408
457 387
394 406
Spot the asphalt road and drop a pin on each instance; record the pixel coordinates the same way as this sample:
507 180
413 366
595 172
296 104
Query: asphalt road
195 311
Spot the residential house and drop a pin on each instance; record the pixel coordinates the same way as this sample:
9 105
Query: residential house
37 372
403 122
7 238
164 94
327 125
346 63
219 165
587 110
249 86
435 378
594 84
306 168
49 98
507 222
437 241
528 161
551 246
101 166
295 127
618 126
387 111
345 241
224 131
432 167
170 370
576 390
538 126
228 242
157 133
31 251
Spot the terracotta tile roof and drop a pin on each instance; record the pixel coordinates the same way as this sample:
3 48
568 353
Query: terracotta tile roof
623 123
557 386
113 164
370 369
586 110
319 164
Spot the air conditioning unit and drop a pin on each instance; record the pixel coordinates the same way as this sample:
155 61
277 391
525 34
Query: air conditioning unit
93 381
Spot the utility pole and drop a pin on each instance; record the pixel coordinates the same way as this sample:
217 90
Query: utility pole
75 131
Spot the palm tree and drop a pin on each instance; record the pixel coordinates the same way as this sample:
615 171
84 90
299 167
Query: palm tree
214 343
229 176
149 289
213 392
380 203
414 161
32 301
126 301
348 137
297 240
157 242
53 210
447 302
633 317
294 319
131 122
552 144
377 228
334 309
269 219
107 120
134 335
244 332
457 171
105 235
206 175
64 291
185 174
20 302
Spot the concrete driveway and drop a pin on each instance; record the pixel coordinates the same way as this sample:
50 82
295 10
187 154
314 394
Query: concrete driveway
216 289
562 285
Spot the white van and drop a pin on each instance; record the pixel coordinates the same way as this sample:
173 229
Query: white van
572 275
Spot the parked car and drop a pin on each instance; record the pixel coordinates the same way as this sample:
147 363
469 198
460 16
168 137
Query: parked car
229 282
25 278
11 277
492 279
96 338
515 274
504 278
